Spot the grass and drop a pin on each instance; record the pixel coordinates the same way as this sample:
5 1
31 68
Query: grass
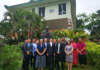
89 67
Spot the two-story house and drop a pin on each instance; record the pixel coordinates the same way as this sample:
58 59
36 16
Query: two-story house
58 14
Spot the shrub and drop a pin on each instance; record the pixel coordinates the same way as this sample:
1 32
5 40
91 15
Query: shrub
93 54
10 55
57 34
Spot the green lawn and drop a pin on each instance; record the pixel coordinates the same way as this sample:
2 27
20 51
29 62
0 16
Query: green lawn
74 68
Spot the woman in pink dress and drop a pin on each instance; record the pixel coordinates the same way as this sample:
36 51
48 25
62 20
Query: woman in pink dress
75 53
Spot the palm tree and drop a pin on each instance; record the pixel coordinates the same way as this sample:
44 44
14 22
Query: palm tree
22 22
74 35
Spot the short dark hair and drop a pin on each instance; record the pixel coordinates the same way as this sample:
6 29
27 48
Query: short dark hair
79 38
63 37
50 38
28 38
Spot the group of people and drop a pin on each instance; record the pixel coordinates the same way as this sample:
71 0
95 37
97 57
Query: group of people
49 54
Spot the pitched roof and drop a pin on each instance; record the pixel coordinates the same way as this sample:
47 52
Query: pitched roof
23 4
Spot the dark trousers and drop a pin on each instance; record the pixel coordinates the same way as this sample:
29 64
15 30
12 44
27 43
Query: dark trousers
34 62
51 62
60 58
64 56
31 60
26 62
23 63
46 61
55 61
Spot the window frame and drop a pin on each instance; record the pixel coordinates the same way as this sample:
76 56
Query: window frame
62 11
42 9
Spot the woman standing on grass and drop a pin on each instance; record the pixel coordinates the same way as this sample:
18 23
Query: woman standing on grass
69 55
40 59
75 53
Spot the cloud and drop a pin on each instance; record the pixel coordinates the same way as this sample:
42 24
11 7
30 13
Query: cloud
2 8
14 2
8 3
87 6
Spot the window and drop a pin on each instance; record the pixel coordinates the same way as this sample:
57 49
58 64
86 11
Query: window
62 9
33 10
42 11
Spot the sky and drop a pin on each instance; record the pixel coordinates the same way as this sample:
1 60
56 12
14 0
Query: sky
82 6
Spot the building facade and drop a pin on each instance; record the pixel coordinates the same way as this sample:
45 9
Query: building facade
58 14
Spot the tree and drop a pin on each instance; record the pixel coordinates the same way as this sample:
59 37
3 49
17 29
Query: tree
22 22
94 24
81 21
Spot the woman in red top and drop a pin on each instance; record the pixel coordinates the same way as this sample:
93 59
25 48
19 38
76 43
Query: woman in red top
75 53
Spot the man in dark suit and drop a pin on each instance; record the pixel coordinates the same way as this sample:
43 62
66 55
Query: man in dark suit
45 43
55 62
23 64
28 53
22 48
59 51
51 53
64 44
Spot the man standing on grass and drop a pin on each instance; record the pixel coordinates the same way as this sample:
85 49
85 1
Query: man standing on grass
51 53
64 44
81 48
45 43
59 55
28 53
34 51
55 63
23 51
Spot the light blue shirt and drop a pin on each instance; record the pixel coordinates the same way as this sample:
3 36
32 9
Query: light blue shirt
45 45
28 44
34 47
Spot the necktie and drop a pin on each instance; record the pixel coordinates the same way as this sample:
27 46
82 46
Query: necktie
58 47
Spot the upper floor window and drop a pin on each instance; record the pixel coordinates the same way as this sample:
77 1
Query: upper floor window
62 9
42 11
33 10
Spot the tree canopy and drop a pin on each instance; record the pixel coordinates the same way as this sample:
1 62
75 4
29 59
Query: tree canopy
21 23
90 22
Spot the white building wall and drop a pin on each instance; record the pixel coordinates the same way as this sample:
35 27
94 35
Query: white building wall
55 14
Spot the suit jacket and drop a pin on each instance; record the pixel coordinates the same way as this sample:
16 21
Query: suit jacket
61 48
50 49
30 48
22 48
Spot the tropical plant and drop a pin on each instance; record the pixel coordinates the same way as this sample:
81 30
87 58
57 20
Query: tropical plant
74 35
57 34
20 22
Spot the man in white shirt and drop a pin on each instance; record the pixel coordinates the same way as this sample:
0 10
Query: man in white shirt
51 53
55 64
59 51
